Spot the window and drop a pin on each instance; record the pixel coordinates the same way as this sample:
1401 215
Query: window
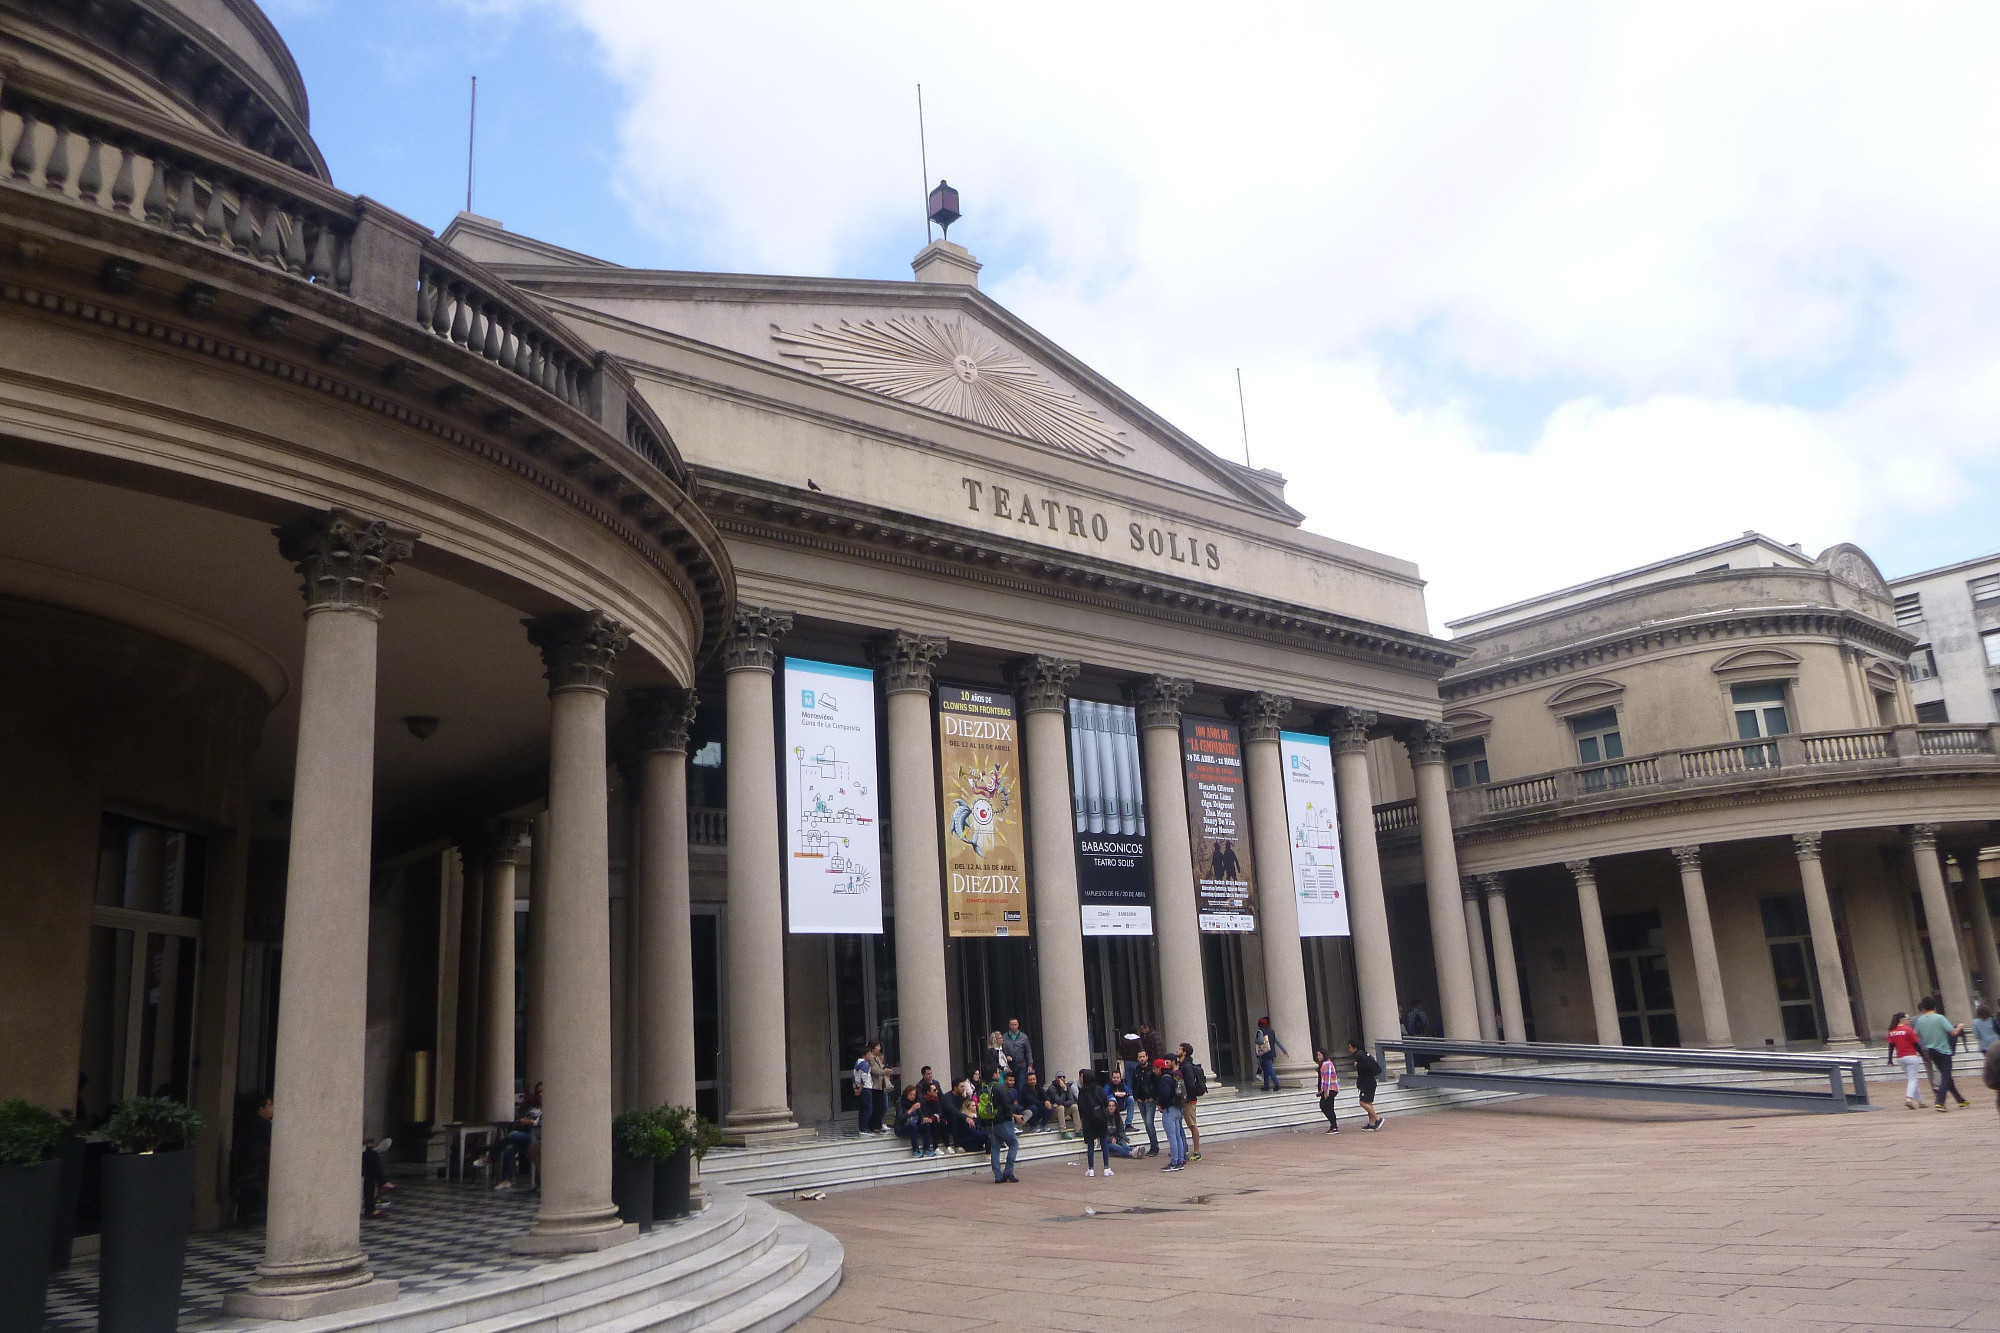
1468 762
1990 640
1760 710
1932 712
1909 608
1597 736
1985 589
1923 666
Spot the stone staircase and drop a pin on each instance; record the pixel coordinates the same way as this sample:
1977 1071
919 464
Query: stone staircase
739 1266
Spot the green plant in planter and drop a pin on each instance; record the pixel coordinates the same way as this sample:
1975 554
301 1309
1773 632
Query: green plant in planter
148 1124
689 1128
640 1134
28 1134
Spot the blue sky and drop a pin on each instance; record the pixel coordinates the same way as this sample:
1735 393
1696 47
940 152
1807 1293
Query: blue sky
1524 295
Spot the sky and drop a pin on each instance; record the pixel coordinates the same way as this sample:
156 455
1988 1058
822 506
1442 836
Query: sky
1525 293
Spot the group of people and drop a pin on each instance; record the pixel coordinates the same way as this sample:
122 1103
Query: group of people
1926 1045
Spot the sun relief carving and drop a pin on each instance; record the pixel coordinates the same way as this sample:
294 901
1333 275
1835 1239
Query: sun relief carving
951 367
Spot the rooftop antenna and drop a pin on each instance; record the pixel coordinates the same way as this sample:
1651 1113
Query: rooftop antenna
1243 415
471 130
924 161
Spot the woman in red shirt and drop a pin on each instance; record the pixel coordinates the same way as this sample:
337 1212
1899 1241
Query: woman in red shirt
1903 1050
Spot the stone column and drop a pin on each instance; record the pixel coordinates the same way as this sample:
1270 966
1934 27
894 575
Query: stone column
662 931
1982 922
1262 717
538 952
1596 954
313 1262
754 952
1482 977
1176 909
1826 943
923 1029
1513 1018
1942 921
496 977
1449 945
1041 686
1367 908
578 651
1707 964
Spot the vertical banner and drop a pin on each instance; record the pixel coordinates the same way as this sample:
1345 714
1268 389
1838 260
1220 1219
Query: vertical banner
1219 825
979 765
1112 881
1314 821
834 873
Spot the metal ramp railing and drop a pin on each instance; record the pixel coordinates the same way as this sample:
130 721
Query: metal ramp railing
1837 1069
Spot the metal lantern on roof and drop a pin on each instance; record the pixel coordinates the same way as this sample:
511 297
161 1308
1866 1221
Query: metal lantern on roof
944 206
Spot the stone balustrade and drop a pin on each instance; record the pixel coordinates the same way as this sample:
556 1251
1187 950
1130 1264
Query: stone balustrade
453 304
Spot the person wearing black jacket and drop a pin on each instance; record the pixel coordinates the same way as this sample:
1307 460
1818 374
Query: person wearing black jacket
1142 1092
1366 1070
1167 1094
1094 1110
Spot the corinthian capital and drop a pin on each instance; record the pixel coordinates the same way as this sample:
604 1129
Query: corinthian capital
1041 683
909 659
1425 741
1158 699
1261 714
1583 872
1687 857
1493 886
1805 846
1923 837
1348 727
345 560
752 641
578 648
659 719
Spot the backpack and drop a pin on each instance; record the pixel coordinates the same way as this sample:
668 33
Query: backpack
989 1106
1262 1045
1196 1080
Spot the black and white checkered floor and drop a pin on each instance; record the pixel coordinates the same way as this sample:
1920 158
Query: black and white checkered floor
438 1234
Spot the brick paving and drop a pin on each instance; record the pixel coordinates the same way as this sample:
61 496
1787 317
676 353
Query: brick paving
1541 1213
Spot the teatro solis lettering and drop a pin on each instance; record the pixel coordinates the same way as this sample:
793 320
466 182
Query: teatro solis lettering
1020 507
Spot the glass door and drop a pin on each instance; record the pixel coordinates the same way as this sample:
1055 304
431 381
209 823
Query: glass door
1640 981
1795 969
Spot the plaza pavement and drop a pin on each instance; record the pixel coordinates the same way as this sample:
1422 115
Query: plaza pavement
1542 1213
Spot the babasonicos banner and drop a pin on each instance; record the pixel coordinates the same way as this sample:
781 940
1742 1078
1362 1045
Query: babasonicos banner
1113 883
985 861
1219 825
1314 822
833 874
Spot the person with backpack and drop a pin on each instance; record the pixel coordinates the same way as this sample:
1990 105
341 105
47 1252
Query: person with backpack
1264 1044
1937 1035
1094 1111
1167 1095
1366 1070
1329 1088
864 1094
1194 1087
999 1117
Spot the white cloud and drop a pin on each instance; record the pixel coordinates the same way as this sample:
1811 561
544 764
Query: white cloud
1744 253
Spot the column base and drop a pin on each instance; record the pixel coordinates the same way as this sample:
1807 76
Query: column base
253 1304
762 1128
1846 1044
1298 1074
575 1242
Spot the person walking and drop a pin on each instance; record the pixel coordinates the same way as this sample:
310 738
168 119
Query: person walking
1194 1086
1985 1029
1329 1088
1020 1051
1366 1070
1167 1094
1149 1109
999 1118
1094 1112
1907 1052
1265 1045
1936 1033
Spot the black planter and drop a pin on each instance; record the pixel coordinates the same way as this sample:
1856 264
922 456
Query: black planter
671 1185
148 1201
28 1196
632 1189
70 1153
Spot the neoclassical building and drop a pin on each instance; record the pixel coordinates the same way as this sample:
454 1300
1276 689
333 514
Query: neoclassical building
446 666
1695 805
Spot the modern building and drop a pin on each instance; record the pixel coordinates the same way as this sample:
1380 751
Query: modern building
441 667
1954 612
1696 805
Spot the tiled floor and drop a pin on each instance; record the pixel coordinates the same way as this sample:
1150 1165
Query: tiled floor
437 1235
1541 1213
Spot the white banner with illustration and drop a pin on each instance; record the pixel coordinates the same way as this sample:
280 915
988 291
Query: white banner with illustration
833 873
1314 822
